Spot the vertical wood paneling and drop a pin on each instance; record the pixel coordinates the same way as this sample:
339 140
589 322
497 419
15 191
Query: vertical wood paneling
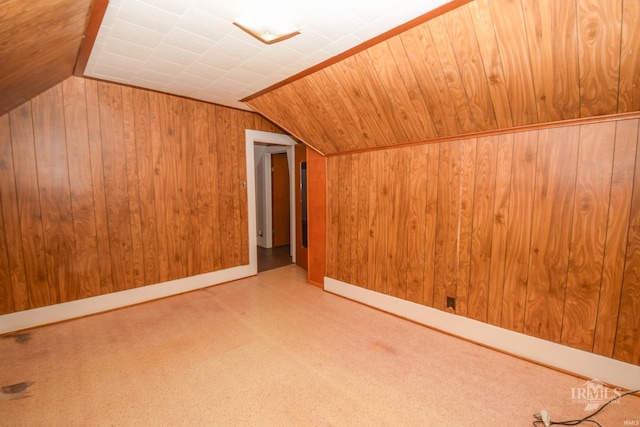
363 227
481 238
617 232
510 31
418 102
465 224
551 232
382 205
431 224
555 75
80 180
157 119
451 74
133 185
216 225
116 186
55 194
500 221
416 233
6 292
423 58
460 28
11 220
527 230
333 203
146 189
488 47
589 228
448 223
386 68
398 226
353 219
629 90
202 177
599 26
28 199
97 179
516 274
627 345
106 188
343 221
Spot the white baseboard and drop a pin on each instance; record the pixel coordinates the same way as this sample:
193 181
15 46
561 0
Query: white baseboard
579 362
56 313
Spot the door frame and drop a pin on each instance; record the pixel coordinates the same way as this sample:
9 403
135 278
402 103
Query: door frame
251 137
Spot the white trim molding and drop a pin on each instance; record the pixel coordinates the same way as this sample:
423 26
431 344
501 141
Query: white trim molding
568 359
84 307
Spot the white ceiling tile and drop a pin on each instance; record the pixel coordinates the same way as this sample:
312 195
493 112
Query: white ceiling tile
235 47
205 71
342 45
126 63
175 54
164 66
125 30
188 41
125 48
204 25
220 60
177 7
145 15
155 76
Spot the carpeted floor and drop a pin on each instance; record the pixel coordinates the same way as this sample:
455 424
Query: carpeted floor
272 350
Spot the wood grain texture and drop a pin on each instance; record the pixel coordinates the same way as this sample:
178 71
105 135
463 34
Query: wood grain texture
80 182
29 208
39 42
555 75
617 233
551 232
11 221
488 64
629 90
482 233
318 231
529 231
519 223
599 26
106 188
499 232
589 229
627 344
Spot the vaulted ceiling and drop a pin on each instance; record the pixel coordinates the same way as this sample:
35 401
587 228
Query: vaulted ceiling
39 43
485 66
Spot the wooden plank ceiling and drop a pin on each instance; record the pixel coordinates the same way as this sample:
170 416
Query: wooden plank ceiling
484 66
39 43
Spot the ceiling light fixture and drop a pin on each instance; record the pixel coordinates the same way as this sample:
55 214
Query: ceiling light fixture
267 33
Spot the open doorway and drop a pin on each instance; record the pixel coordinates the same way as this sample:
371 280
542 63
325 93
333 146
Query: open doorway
260 146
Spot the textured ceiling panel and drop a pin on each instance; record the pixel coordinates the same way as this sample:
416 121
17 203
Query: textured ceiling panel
192 48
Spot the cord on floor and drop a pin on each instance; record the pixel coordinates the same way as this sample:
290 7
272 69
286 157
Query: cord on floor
540 422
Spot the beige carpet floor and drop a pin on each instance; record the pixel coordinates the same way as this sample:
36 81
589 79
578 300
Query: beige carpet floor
272 350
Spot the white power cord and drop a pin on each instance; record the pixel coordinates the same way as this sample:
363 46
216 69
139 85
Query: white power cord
544 417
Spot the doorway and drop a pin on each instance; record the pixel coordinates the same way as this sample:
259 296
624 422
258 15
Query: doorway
255 143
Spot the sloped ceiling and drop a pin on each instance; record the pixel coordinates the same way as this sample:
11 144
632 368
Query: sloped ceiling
487 65
39 44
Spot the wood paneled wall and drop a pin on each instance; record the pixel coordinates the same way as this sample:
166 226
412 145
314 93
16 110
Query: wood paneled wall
537 232
105 188
486 65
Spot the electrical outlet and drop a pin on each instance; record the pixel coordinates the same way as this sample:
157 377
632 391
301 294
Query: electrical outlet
451 303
